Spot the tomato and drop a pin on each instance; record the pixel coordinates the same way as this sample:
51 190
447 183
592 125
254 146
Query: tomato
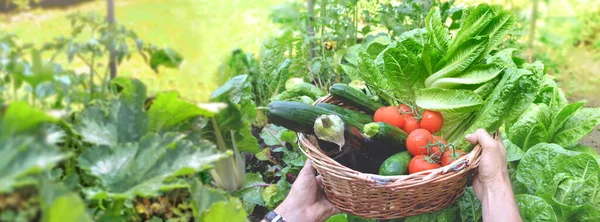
451 155
389 115
410 123
417 141
405 110
432 121
421 163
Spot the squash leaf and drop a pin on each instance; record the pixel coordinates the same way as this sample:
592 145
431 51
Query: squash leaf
142 168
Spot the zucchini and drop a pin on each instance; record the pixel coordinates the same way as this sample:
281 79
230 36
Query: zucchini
300 117
388 134
354 97
353 115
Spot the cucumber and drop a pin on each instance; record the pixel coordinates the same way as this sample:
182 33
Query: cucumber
388 134
300 117
354 97
397 164
353 115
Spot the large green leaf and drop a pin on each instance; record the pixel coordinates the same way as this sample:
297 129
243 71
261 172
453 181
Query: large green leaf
539 160
559 119
225 211
456 61
478 74
455 106
574 181
534 209
400 71
513 95
496 30
169 110
439 32
141 168
530 128
59 204
513 152
24 155
251 191
20 117
477 19
470 206
204 197
576 127
39 72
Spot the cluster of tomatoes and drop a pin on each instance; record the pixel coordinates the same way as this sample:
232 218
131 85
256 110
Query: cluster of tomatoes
429 151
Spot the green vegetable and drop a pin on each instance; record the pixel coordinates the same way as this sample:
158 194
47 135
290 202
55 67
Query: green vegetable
530 128
478 74
397 164
353 97
577 126
515 93
351 114
299 117
456 107
534 208
386 133
470 206
301 89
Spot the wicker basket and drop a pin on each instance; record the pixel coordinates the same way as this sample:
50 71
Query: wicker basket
385 197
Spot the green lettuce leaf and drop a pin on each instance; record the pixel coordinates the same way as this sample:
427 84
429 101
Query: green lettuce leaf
456 61
470 206
577 126
474 21
511 97
534 209
439 32
539 160
478 74
530 128
559 119
400 71
142 168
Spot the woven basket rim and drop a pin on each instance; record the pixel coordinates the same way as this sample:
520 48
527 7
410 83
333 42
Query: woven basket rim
458 167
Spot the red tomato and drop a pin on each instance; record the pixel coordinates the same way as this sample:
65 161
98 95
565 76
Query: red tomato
417 141
410 123
405 110
436 150
389 115
421 163
432 121
451 155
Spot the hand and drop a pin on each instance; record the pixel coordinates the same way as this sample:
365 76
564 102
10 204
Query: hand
306 200
492 173
491 182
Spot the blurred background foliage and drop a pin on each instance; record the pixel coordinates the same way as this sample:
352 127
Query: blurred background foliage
567 34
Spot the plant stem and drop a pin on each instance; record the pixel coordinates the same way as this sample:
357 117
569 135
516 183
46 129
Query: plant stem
532 24
92 76
219 137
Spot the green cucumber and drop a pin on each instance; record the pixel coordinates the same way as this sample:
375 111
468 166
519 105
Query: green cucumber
397 164
300 117
386 133
354 97
353 115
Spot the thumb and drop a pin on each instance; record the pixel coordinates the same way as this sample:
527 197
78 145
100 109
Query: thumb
307 170
482 137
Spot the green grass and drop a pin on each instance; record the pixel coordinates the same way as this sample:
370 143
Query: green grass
204 32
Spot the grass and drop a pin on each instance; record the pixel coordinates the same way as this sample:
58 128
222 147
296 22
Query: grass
204 32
